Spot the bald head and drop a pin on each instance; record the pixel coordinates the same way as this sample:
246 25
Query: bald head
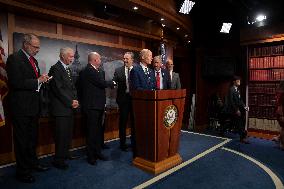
170 65
66 55
145 57
94 59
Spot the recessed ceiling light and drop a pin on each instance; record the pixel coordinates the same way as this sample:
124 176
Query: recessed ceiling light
163 25
188 41
186 7
226 28
260 18
162 19
135 8
177 28
185 35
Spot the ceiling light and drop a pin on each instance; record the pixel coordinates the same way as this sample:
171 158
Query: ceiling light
177 28
185 35
226 28
162 19
163 25
186 7
135 8
260 18
188 41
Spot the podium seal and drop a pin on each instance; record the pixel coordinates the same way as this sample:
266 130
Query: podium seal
170 116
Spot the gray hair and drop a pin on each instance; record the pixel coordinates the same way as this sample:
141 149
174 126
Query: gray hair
131 54
91 54
64 51
157 58
28 37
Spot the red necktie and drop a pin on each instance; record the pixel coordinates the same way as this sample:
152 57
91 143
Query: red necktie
32 61
158 80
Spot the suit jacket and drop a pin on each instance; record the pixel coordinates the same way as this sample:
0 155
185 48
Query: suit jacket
233 102
92 85
23 83
175 83
120 79
166 79
140 81
62 91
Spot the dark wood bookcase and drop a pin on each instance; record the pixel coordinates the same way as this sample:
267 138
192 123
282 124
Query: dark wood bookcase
266 69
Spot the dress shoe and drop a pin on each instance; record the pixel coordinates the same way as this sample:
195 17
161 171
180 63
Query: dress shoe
244 141
25 178
104 146
73 157
92 161
124 148
40 168
102 157
60 165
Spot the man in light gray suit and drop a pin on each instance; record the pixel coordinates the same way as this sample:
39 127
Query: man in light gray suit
175 81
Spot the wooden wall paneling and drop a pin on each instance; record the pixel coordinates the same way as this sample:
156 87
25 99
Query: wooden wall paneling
134 42
59 29
89 34
143 44
71 17
35 24
108 40
11 29
264 34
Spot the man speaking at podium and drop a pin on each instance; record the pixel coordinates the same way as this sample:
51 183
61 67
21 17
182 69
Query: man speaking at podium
142 77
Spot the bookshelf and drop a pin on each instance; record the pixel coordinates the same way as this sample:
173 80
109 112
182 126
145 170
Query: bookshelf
266 69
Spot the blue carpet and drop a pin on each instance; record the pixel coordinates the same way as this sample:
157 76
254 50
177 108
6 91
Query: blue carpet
219 169
264 151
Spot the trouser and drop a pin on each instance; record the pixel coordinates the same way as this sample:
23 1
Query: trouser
126 112
240 124
94 132
25 133
63 137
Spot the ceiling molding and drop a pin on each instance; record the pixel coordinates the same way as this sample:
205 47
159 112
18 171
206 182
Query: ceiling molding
72 17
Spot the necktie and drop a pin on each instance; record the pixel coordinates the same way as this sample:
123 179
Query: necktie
32 62
69 73
127 80
158 80
146 71
128 73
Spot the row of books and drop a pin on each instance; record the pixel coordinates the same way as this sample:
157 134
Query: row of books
267 51
267 75
267 62
269 88
264 124
261 111
262 100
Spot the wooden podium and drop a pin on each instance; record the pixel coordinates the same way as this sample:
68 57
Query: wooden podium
158 118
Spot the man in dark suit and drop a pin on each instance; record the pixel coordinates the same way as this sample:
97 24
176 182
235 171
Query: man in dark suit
123 99
141 76
175 80
236 109
24 83
64 100
163 80
93 100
